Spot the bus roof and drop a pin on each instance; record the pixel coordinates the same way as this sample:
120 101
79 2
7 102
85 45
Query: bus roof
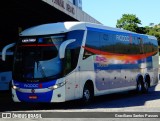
62 27
53 28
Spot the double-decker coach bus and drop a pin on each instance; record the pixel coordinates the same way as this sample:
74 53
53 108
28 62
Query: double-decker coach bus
76 60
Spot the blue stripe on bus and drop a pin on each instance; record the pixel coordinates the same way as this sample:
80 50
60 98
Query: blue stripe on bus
41 97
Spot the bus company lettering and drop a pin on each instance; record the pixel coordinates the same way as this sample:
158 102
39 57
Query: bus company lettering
122 38
31 85
100 59
28 40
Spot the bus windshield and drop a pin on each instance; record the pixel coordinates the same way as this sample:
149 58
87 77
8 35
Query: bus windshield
37 57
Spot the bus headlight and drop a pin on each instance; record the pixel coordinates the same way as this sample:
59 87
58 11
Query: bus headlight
15 88
57 85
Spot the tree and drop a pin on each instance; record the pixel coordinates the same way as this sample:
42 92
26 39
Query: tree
141 30
129 22
151 24
154 30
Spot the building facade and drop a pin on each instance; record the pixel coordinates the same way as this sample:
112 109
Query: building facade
77 3
18 15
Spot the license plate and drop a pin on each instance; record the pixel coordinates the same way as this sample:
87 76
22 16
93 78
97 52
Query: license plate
33 97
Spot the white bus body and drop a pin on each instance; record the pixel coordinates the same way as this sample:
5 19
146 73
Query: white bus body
66 61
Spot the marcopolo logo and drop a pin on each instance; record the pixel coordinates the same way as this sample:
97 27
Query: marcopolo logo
122 38
31 85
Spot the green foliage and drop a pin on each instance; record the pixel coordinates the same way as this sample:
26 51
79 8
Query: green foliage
129 22
155 31
141 30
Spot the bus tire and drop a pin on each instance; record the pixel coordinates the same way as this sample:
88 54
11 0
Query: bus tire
139 86
146 87
87 94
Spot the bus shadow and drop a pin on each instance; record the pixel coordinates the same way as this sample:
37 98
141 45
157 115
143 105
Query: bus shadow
117 100
123 100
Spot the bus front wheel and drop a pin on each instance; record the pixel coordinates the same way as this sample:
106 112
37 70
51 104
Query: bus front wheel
87 94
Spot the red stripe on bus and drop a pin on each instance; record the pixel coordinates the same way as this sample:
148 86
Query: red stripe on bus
134 57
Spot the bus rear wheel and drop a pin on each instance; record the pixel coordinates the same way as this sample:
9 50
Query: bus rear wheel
145 87
139 86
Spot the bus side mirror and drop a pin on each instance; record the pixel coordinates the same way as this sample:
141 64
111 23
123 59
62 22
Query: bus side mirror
63 47
4 50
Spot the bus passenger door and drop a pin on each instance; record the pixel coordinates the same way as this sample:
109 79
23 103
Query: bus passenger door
75 68
70 76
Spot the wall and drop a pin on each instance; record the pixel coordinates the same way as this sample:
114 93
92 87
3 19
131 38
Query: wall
67 7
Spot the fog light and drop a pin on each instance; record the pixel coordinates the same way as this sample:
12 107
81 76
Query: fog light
59 95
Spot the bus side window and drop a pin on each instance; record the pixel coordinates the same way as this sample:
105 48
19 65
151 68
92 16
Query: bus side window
92 42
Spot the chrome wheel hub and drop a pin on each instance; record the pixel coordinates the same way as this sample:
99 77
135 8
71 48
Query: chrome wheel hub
87 94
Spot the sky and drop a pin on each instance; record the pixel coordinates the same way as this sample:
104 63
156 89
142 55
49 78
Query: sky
108 11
